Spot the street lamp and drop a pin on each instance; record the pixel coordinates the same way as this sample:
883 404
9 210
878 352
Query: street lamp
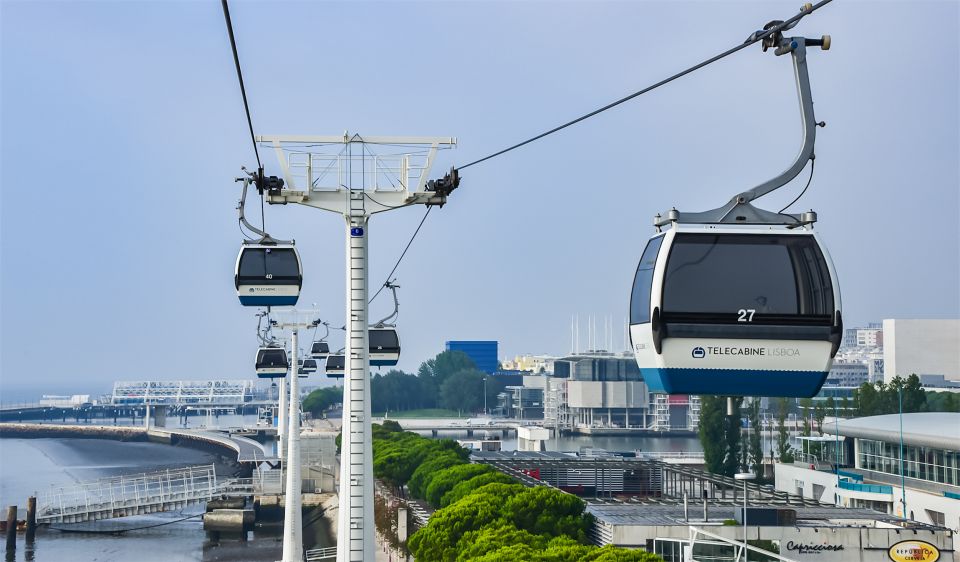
744 476
485 396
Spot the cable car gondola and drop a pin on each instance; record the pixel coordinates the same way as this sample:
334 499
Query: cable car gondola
336 366
384 347
268 272
739 300
320 350
268 275
272 363
384 342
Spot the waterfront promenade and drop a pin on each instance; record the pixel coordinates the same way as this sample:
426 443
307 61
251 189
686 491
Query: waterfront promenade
248 452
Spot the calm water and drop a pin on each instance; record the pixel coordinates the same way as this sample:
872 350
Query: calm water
28 466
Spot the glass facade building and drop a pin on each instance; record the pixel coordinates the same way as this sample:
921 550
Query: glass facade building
923 463
483 353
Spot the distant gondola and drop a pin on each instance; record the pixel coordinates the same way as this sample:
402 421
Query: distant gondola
336 366
320 350
384 347
272 363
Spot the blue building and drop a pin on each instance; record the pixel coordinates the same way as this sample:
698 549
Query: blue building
483 353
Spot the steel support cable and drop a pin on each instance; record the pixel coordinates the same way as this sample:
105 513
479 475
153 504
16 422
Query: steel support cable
754 38
243 90
404 253
246 107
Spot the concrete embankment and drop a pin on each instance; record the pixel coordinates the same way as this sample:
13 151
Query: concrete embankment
117 433
43 430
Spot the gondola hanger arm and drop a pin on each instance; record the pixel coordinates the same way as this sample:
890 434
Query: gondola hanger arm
255 178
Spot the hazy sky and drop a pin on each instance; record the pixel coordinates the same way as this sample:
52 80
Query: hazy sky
123 128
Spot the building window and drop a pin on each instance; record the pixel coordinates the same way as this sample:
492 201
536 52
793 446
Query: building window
936 518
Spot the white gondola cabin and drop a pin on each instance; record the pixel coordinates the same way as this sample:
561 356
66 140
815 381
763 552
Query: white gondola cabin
268 275
384 347
336 366
735 310
320 350
272 363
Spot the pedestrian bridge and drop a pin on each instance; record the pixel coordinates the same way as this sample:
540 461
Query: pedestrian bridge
124 496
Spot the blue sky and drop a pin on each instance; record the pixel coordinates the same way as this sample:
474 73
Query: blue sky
123 128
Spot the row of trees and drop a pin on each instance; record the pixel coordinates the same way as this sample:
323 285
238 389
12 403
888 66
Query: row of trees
450 380
720 434
725 451
880 398
484 515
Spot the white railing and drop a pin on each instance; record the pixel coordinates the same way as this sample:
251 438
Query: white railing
320 554
661 455
128 495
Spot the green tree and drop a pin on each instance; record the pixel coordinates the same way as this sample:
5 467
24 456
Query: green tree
914 396
732 431
322 399
784 450
445 480
543 510
463 391
421 477
469 486
820 413
755 445
711 432
867 399
437 541
493 538
445 364
398 391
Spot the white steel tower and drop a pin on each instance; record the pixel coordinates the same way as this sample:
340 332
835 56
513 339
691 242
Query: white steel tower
356 182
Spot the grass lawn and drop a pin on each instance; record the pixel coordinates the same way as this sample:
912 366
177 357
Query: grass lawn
425 413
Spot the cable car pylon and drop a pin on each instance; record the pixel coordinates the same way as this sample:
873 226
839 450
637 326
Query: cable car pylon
357 186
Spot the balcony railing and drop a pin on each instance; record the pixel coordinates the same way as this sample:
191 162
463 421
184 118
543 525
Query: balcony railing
870 488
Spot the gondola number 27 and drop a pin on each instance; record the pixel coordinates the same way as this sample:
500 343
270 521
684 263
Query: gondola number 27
746 314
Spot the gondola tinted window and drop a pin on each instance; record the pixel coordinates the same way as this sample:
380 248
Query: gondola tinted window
281 263
643 282
384 339
716 277
273 358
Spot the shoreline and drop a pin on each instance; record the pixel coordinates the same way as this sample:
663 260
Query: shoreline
226 456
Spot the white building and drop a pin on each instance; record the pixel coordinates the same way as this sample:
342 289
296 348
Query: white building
921 347
929 484
848 374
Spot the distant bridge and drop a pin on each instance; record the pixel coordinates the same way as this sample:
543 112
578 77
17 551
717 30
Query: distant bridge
437 425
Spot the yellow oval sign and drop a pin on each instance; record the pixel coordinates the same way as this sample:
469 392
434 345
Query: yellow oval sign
914 551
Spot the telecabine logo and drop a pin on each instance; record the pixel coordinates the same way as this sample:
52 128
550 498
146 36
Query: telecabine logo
699 353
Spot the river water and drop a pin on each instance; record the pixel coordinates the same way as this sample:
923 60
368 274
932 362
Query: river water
28 466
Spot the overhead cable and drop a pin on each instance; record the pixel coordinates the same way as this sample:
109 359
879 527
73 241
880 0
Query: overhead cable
243 91
400 259
754 38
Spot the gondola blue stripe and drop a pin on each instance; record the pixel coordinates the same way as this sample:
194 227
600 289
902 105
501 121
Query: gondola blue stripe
269 301
734 382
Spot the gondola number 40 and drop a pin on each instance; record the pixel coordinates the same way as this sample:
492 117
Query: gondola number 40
746 314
